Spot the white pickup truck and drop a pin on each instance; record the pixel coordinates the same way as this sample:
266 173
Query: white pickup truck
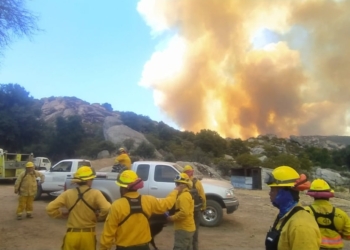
56 176
158 180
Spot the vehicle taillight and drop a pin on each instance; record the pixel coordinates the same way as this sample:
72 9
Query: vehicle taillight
65 187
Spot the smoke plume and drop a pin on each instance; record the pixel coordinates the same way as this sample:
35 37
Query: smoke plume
214 73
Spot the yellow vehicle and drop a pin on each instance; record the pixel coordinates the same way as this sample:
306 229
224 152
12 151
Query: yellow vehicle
12 164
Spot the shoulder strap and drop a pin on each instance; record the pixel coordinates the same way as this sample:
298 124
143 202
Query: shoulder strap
81 197
194 181
291 213
135 208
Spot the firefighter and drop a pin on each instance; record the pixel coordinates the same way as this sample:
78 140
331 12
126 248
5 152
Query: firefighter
26 187
333 222
123 158
200 204
127 222
85 207
183 219
294 228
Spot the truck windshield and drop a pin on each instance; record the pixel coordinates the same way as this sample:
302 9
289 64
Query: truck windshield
178 167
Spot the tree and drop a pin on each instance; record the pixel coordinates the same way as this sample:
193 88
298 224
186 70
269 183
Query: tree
139 123
271 151
107 106
145 150
20 123
319 156
211 141
237 147
305 162
282 160
248 160
16 20
225 167
68 136
129 143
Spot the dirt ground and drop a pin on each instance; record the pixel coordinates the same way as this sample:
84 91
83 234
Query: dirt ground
245 229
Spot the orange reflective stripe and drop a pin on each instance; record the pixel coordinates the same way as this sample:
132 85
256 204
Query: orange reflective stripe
332 241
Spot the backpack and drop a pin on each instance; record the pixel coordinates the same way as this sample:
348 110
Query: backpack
195 196
326 218
135 208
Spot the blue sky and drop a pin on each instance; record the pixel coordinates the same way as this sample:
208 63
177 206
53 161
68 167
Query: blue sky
90 50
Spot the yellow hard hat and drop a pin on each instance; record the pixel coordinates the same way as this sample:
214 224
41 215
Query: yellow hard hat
126 177
183 178
121 150
29 164
85 173
282 176
320 185
187 168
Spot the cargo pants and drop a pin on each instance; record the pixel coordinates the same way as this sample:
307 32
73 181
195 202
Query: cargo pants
25 203
183 240
79 240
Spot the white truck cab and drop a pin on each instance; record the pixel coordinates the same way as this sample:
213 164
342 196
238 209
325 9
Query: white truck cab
42 163
56 176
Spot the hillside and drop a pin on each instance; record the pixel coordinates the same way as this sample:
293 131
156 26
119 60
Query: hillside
67 127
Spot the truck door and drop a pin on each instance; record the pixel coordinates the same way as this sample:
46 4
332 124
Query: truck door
54 180
143 173
162 182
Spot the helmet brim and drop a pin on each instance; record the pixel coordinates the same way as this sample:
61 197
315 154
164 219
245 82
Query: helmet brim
88 178
121 184
281 185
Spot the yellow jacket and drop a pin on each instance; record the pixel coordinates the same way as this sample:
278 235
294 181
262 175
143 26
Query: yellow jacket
301 232
135 230
183 218
26 184
123 159
331 238
81 216
201 193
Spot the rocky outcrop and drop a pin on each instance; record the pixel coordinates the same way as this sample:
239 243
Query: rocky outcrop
257 150
103 154
119 133
328 142
264 173
201 170
54 107
333 177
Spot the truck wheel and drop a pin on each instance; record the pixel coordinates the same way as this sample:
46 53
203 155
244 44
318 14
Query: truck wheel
212 215
38 193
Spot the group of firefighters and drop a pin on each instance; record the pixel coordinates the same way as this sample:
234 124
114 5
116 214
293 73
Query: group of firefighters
314 227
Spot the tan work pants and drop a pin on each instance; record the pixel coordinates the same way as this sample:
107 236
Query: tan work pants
183 240
25 203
